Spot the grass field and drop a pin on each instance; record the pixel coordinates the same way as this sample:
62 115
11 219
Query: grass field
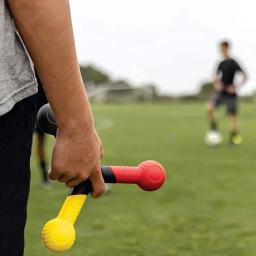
207 207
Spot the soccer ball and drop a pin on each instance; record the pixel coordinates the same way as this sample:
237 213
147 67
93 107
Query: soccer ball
213 138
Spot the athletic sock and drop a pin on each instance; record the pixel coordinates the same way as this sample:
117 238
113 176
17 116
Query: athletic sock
232 135
44 171
214 126
234 132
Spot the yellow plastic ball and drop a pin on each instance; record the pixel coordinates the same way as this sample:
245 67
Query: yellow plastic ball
58 235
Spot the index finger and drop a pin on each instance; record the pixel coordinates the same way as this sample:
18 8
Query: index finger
53 175
98 183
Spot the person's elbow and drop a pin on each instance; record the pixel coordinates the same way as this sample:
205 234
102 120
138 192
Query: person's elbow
245 77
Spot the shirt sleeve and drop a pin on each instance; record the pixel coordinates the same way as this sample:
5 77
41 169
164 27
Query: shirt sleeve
238 67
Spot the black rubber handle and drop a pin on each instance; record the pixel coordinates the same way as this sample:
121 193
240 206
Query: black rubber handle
85 187
46 121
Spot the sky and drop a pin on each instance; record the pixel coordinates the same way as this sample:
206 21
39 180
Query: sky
170 43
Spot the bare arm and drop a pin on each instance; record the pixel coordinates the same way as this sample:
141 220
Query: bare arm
46 29
244 77
243 80
234 88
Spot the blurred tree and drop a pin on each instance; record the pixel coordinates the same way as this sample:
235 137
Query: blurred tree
205 90
122 84
91 74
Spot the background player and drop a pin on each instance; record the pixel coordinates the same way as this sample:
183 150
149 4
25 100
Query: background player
226 91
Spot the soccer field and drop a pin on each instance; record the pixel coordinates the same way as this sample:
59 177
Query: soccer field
206 208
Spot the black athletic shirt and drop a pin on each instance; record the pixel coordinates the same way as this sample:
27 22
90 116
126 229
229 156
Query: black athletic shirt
227 69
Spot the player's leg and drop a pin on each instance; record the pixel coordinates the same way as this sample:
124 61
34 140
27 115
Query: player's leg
235 137
212 116
16 129
234 122
213 103
232 108
41 156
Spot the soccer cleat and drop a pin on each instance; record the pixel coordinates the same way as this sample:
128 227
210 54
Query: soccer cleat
236 139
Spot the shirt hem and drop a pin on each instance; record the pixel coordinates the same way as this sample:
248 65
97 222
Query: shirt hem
6 106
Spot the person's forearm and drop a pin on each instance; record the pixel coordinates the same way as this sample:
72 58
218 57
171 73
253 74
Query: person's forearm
46 29
244 79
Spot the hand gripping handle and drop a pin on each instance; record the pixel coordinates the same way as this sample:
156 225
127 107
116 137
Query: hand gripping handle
149 175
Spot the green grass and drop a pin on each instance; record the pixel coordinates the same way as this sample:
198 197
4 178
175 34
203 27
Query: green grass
206 208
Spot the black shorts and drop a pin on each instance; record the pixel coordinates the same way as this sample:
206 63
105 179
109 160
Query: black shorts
230 101
16 129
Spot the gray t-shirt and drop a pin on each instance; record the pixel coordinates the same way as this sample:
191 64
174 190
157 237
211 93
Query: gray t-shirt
17 78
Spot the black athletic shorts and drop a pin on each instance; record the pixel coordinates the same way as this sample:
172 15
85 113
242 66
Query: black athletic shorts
16 129
230 101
